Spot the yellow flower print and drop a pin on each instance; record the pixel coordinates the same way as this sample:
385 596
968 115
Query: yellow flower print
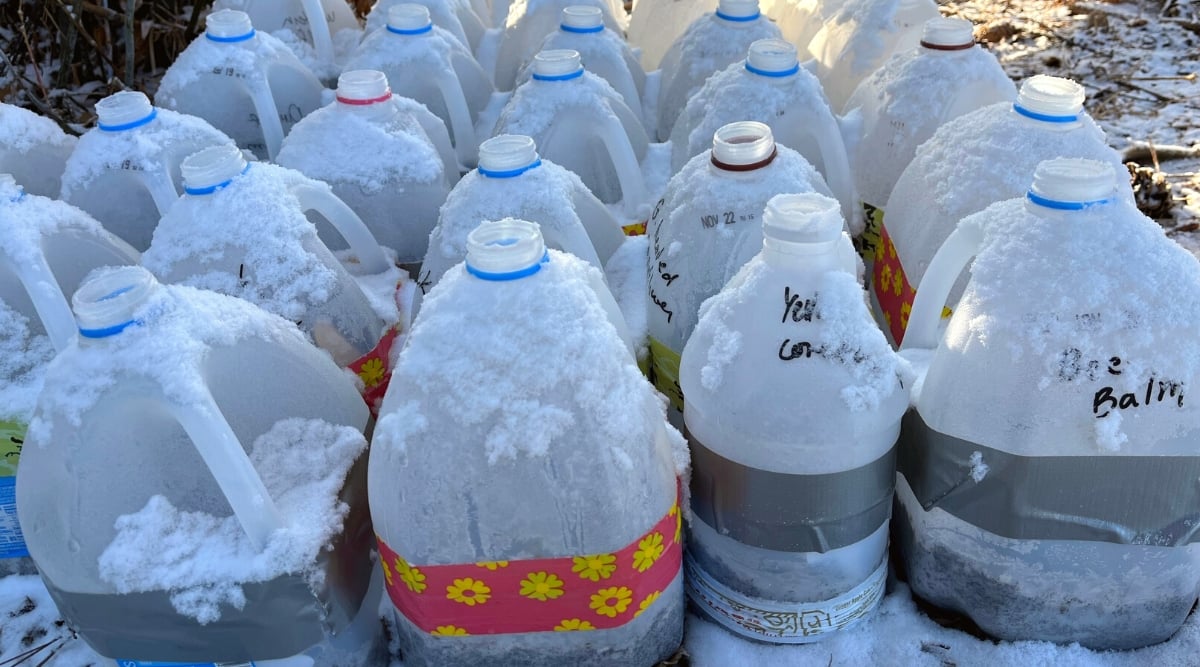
410 575
542 586
594 567
645 604
492 565
387 573
569 624
649 550
611 601
679 528
371 372
468 591
449 631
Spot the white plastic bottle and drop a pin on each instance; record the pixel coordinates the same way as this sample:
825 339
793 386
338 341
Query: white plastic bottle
425 63
705 228
581 123
324 26
240 229
218 429
454 16
563 516
709 45
983 157
793 411
800 20
654 26
770 87
1047 485
860 37
378 160
245 83
528 24
33 150
125 171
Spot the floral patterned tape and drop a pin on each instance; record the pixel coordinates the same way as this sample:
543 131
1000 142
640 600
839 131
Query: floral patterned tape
374 369
591 592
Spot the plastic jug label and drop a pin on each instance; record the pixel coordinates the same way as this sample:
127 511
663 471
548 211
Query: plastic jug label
892 289
136 663
1109 397
664 372
573 593
868 243
659 269
12 438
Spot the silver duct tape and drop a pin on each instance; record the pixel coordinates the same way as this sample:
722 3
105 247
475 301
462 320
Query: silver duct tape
1143 500
282 617
790 512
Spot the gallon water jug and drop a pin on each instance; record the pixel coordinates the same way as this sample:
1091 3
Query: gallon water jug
581 123
860 37
983 157
33 150
377 159
125 171
564 514
705 228
192 485
240 230
46 249
792 423
800 20
247 84
1048 473
425 63
654 26
528 24
320 25
712 43
454 16
769 86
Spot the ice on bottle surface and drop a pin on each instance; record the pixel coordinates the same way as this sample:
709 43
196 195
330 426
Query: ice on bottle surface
528 24
125 171
564 512
1047 473
186 418
321 32
425 63
655 26
792 422
378 159
971 162
456 17
33 149
581 123
244 82
710 44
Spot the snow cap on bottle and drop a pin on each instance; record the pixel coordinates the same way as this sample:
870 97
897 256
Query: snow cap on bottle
803 218
9 189
743 146
582 19
772 57
557 65
363 87
211 169
505 249
409 19
107 301
1072 184
228 25
738 11
944 34
1050 99
124 111
507 155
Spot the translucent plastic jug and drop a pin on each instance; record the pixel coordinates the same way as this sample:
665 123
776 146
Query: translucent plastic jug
528 24
769 86
983 157
800 20
245 83
378 160
581 123
125 171
564 512
454 16
792 422
33 150
1047 484
240 229
313 22
860 37
219 430
654 26
425 63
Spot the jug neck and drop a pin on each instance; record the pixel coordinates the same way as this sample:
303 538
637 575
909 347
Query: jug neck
804 231
107 303
505 250
773 59
409 19
212 169
582 20
124 111
1065 186
556 65
945 35
229 26
508 156
743 147
1050 102
736 13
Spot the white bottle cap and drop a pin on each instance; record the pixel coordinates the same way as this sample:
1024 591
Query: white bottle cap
507 153
803 218
772 57
737 10
747 144
943 34
505 249
1072 183
582 18
208 170
228 25
363 87
106 303
1050 98
124 111
557 64
409 19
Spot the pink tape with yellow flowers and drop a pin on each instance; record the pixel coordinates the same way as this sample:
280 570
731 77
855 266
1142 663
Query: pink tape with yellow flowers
591 592
375 370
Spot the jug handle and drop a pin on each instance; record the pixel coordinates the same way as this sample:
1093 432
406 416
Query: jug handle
435 129
629 172
602 228
360 239
460 118
945 267
322 39
49 301
837 170
268 118
162 190
230 467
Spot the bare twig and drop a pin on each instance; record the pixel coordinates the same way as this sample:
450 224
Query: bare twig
1157 95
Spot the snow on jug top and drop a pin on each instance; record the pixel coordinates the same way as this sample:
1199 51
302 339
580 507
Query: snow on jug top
10 188
582 19
808 219
943 34
1072 184
505 250
1050 99
363 87
737 11
228 26
124 111
557 65
743 146
772 57
211 169
408 19
508 155
105 305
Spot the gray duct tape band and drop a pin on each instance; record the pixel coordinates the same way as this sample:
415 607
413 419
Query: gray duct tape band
1145 500
787 512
